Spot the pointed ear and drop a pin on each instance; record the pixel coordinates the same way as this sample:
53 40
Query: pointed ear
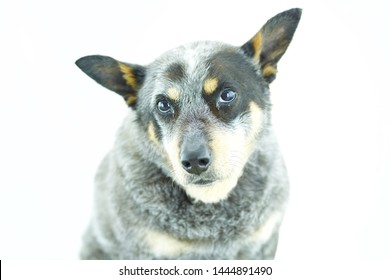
271 42
122 78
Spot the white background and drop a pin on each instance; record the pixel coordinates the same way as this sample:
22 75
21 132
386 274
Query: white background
331 100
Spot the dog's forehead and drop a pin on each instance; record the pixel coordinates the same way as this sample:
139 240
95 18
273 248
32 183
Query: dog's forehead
191 65
191 60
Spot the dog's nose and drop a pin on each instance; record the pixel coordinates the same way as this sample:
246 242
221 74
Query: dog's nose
196 161
195 155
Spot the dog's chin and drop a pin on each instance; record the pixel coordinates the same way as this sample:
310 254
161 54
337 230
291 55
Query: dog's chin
210 191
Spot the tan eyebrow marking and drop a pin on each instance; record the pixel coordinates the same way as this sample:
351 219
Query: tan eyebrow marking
210 85
173 93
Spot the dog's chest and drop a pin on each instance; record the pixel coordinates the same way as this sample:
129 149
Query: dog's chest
161 245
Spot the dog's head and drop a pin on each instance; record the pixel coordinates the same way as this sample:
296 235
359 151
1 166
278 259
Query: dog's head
202 106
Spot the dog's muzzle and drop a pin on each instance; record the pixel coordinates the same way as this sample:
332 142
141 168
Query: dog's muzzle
195 154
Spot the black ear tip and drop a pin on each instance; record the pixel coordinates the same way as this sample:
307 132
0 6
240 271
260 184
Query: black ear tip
295 13
83 62
87 61
80 62
297 10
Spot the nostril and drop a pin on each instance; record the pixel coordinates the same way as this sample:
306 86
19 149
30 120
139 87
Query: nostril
204 162
186 164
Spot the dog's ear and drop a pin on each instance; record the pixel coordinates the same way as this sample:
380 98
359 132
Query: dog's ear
122 78
271 42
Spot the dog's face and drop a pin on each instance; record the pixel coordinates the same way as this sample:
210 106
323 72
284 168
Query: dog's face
202 106
206 107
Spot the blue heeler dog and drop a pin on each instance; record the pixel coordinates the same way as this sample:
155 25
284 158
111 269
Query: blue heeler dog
195 172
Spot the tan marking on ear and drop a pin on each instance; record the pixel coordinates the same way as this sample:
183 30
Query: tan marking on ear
165 245
128 75
257 46
173 93
210 85
130 99
268 70
152 133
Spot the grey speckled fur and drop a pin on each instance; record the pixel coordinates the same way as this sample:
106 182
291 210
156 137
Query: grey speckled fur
144 207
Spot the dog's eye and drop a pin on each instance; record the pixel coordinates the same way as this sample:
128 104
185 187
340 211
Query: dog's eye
227 95
164 106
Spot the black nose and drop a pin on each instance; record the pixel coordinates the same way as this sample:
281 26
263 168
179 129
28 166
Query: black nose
195 155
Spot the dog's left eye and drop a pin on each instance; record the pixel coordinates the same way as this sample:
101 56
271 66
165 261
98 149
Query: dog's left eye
164 106
227 95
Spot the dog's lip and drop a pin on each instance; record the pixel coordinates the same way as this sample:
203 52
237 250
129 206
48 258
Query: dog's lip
203 182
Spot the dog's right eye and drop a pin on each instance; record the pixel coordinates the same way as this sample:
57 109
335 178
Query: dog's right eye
227 95
165 107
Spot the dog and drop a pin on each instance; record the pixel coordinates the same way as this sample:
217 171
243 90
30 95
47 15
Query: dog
195 171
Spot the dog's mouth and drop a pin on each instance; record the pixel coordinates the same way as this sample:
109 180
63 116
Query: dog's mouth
203 182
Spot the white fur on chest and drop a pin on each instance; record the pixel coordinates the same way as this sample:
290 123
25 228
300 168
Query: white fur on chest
164 245
264 232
